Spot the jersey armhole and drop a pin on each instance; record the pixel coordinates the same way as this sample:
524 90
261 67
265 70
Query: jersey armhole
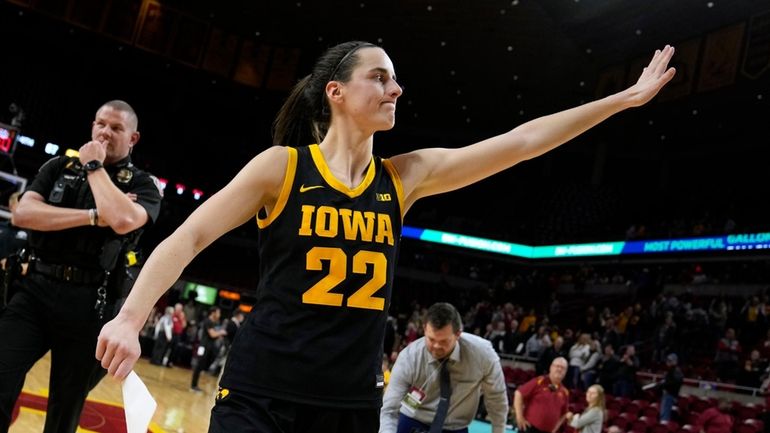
283 197
397 182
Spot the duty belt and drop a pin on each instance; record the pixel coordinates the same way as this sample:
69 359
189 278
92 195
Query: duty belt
68 273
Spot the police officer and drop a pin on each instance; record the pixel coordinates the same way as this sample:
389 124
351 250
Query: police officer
84 215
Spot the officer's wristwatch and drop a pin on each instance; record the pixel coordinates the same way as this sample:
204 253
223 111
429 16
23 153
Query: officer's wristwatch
93 165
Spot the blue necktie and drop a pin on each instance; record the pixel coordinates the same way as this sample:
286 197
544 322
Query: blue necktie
443 403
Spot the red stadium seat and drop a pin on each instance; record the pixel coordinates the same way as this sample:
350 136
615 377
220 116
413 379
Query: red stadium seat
759 424
630 416
684 402
745 411
745 428
649 421
699 405
672 426
621 422
639 426
508 373
633 408
651 412
692 418
623 401
613 404
577 407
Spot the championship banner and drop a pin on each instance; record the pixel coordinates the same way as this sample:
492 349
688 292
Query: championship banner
720 58
252 63
757 58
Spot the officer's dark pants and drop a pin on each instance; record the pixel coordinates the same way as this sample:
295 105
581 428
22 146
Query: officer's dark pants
44 315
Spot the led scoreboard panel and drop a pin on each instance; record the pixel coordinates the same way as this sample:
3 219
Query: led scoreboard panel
737 242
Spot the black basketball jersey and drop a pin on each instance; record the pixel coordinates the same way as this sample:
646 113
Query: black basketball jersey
327 261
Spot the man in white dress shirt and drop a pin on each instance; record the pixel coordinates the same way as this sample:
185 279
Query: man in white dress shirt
470 366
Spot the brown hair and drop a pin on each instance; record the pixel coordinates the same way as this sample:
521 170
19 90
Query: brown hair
305 115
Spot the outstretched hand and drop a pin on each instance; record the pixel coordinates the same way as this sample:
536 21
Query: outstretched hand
653 77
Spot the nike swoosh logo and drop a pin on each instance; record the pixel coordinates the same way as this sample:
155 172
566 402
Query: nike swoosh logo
304 188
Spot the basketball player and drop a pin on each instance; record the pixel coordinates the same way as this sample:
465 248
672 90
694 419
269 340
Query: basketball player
309 356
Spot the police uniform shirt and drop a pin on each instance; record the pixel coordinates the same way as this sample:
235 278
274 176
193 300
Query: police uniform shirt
62 182
327 260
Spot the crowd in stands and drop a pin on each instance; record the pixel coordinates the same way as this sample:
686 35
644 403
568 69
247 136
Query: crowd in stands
536 314
608 340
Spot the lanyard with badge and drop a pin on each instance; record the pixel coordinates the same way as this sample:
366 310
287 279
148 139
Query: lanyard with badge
414 398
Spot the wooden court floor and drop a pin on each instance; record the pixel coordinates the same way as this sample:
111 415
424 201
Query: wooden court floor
179 410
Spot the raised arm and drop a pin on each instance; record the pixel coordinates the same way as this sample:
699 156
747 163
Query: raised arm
256 186
432 171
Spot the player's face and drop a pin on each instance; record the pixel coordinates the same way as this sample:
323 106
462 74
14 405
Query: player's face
370 95
440 342
117 129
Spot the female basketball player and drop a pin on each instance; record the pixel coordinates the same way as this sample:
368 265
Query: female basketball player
308 358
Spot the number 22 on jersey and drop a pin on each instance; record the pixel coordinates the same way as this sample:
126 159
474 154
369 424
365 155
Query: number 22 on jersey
321 292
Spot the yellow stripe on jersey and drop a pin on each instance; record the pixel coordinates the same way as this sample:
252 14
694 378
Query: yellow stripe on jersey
288 181
397 182
320 163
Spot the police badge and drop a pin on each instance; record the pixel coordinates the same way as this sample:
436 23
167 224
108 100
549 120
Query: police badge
125 175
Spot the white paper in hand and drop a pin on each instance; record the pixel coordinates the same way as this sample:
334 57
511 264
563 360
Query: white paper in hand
138 404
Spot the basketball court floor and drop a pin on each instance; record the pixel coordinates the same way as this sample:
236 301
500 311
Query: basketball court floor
179 410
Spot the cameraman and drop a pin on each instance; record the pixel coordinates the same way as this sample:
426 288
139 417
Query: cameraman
84 214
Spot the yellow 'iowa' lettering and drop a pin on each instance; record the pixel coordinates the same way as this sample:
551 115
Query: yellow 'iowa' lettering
329 222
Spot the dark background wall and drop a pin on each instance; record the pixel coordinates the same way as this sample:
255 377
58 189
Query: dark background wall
207 79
